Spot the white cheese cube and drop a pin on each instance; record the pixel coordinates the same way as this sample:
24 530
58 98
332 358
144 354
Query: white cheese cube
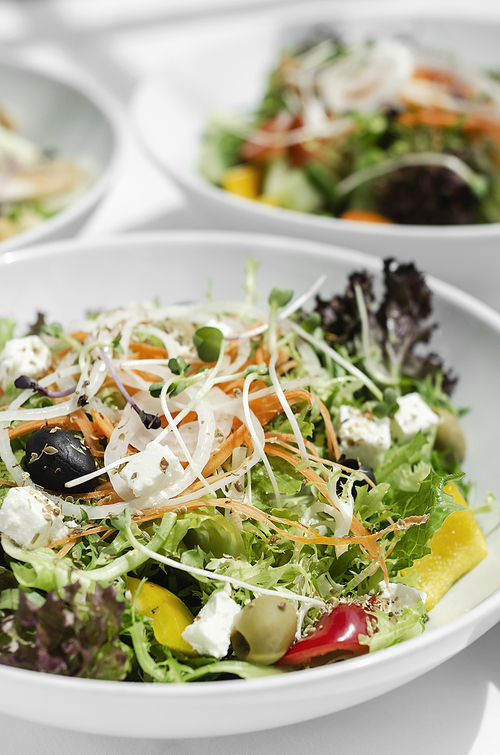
413 415
362 436
210 632
23 356
400 596
151 469
30 519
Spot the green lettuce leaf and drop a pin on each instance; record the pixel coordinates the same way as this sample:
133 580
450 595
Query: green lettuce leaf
430 500
394 629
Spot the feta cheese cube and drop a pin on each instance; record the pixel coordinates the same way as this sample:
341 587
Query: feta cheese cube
23 356
413 415
151 469
30 519
362 436
210 632
400 596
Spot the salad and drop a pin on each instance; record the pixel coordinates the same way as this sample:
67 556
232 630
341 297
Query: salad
225 489
35 183
378 131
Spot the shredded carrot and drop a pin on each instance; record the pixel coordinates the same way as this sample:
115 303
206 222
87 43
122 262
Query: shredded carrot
285 437
286 367
331 438
65 549
356 527
105 489
110 383
364 216
367 538
453 83
268 407
87 429
147 351
240 437
190 417
261 355
31 425
104 426
429 117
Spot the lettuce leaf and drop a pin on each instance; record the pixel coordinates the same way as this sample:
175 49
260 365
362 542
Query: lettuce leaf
394 629
431 500
70 636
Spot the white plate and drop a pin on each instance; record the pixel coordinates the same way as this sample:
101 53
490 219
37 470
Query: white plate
226 67
90 274
79 122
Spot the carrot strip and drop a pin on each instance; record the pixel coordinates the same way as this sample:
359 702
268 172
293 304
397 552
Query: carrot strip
104 424
268 407
429 117
286 366
65 549
284 437
148 351
87 429
356 526
36 424
367 538
365 216
331 438
240 437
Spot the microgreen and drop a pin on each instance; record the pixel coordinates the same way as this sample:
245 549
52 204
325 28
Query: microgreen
177 366
280 297
208 342
388 407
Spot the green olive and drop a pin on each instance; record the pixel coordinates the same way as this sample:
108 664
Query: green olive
216 535
264 630
449 434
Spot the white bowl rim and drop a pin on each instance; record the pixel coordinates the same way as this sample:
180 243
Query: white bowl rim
281 244
109 108
194 181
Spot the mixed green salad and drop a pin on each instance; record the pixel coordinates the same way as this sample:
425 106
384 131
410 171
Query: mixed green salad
225 489
35 183
379 131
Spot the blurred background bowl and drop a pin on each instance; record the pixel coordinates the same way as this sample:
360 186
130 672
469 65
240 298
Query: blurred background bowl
75 121
175 267
227 71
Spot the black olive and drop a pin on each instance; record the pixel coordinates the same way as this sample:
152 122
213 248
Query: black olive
55 456
356 465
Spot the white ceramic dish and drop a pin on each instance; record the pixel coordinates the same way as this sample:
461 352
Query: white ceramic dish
135 268
226 68
79 122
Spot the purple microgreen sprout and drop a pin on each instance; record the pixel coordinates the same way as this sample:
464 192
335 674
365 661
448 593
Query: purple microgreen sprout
150 421
24 382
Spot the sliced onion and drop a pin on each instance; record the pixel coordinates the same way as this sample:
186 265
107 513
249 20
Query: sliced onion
367 77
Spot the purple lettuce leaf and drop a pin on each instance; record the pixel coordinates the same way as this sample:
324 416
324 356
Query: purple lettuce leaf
78 635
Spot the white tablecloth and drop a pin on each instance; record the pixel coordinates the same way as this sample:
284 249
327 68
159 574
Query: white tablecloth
456 707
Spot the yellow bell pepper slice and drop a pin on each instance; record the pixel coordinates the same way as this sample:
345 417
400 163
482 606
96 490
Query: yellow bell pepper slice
168 614
243 180
456 548
269 199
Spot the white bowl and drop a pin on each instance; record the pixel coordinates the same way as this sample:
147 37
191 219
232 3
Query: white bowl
225 68
79 122
88 274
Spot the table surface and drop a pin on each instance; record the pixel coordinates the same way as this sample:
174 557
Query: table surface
115 42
